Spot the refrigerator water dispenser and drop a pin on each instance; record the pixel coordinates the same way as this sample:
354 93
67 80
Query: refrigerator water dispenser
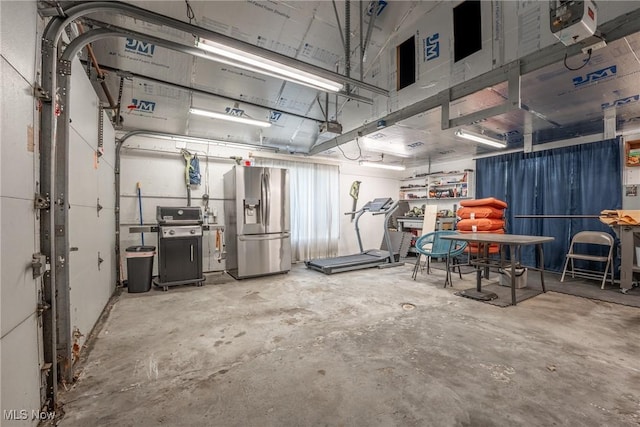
252 211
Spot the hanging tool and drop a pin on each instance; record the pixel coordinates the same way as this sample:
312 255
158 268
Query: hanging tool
187 158
219 245
139 191
353 192
194 170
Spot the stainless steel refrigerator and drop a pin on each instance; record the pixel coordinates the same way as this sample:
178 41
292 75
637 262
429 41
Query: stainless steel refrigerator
257 221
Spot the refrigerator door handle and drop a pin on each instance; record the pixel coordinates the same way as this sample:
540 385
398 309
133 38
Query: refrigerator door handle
268 200
263 200
264 237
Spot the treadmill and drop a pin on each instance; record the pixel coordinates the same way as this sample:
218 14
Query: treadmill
365 259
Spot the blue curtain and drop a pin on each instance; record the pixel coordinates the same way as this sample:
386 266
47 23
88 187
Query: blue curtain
578 180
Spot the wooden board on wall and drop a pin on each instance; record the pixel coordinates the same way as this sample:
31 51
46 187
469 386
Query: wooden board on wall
430 215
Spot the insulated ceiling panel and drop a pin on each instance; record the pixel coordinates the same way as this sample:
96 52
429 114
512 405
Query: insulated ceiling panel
478 101
608 80
280 134
282 27
297 99
205 127
235 82
557 102
153 106
168 8
144 58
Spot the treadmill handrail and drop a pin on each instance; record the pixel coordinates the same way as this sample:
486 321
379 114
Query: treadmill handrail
387 236
357 227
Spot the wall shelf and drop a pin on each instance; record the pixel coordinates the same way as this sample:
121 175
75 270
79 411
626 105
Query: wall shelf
439 186
632 153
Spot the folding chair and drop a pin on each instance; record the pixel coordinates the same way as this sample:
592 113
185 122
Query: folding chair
583 238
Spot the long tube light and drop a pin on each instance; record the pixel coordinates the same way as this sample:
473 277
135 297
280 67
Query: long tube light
229 118
382 166
266 66
482 139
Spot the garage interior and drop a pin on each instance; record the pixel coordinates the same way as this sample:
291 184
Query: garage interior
212 211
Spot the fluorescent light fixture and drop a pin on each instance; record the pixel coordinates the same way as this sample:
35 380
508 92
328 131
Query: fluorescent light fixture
249 61
382 166
229 117
480 138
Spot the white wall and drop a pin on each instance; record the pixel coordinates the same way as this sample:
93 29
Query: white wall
92 233
20 343
374 184
160 169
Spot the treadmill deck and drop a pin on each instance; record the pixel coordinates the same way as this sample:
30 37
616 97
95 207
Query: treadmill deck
371 258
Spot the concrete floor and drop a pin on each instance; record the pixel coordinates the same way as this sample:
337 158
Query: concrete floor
305 349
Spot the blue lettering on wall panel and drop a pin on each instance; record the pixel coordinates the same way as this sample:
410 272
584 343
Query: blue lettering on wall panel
432 47
275 116
381 5
139 48
234 111
142 106
621 102
595 76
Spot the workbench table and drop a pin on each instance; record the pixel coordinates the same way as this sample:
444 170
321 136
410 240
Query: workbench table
514 241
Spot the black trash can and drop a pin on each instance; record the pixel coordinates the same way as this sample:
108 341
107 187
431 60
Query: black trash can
140 267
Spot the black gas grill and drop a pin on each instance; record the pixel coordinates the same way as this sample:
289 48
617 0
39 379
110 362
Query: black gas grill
180 246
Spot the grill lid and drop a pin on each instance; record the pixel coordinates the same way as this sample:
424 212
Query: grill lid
177 215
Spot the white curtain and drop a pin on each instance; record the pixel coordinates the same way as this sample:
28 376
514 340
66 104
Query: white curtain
315 207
